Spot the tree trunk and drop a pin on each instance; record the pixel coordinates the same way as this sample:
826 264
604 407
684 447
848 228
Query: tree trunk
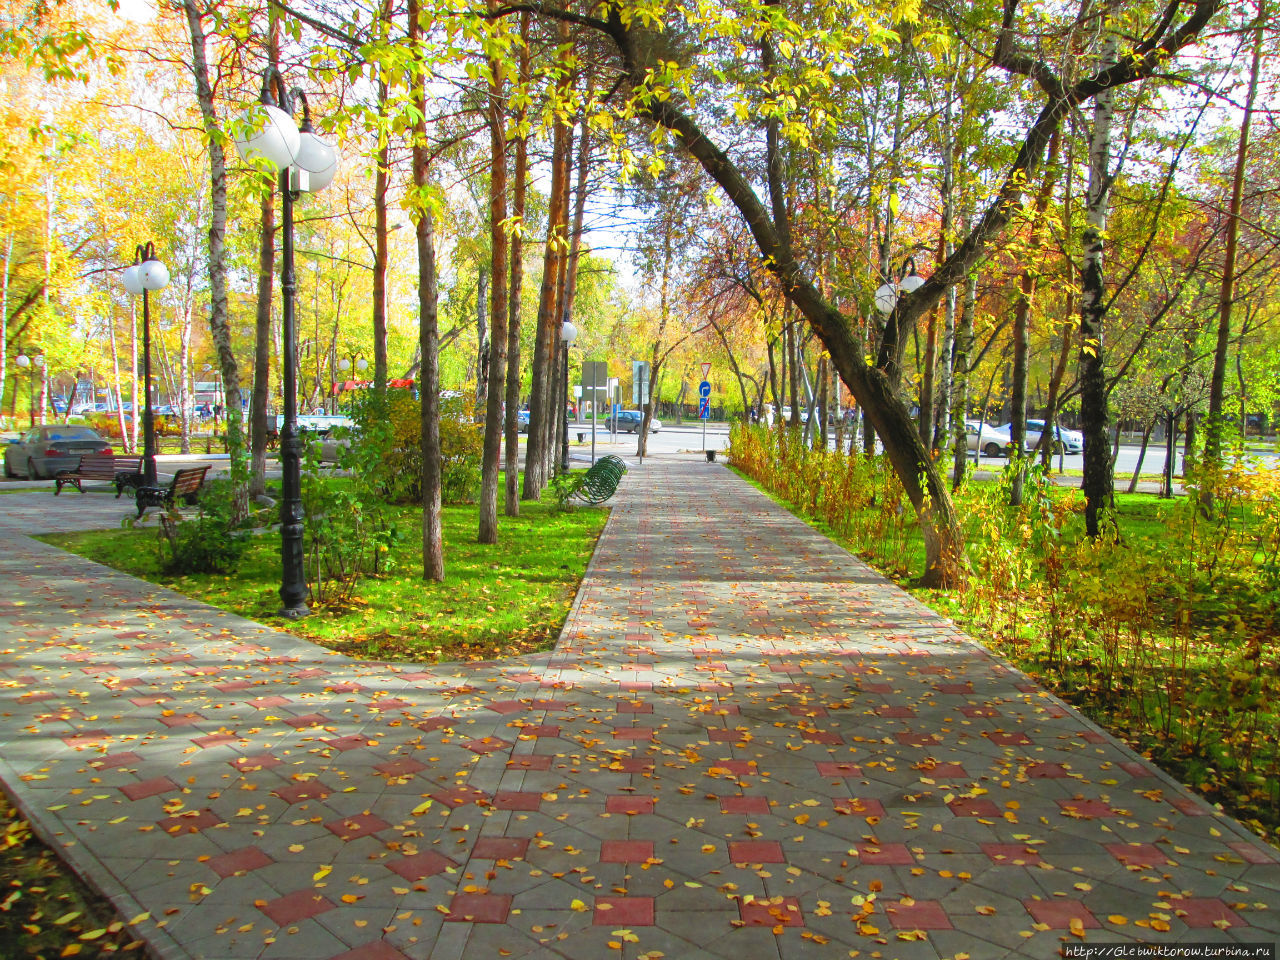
482 338
1093 381
1022 326
1170 453
1214 423
1142 455
793 373
381 254
497 372
258 426
544 359
219 324
960 381
428 325
515 291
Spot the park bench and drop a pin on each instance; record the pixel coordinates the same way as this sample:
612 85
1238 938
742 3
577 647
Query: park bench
185 486
600 482
121 471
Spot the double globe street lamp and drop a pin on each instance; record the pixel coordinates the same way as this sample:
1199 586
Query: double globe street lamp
146 274
568 334
30 360
908 282
306 164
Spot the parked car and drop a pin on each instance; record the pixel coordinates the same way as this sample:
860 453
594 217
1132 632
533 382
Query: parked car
995 441
629 422
42 451
1066 441
522 421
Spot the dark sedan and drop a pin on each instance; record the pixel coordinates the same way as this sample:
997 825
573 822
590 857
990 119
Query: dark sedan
42 451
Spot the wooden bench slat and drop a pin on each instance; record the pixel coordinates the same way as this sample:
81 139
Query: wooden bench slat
186 483
122 471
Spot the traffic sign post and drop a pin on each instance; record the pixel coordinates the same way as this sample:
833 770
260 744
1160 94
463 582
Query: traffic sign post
704 403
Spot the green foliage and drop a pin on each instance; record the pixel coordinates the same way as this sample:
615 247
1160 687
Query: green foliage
386 447
858 499
213 541
350 533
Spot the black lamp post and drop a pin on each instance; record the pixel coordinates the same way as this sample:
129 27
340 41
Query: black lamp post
146 274
305 164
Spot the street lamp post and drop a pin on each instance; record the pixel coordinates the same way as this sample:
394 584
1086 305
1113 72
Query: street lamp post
908 281
30 359
146 274
306 164
568 334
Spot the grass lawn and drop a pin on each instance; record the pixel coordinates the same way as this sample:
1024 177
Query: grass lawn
496 600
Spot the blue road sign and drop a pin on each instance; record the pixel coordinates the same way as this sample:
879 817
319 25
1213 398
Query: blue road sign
704 409
704 389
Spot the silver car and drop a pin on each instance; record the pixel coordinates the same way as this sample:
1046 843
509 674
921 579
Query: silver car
42 451
995 441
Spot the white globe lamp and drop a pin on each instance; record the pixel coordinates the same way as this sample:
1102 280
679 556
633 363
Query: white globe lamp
267 133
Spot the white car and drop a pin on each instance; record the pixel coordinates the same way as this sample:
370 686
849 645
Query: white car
994 441
1068 441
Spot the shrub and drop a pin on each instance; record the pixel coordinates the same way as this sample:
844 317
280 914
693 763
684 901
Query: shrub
388 447
211 542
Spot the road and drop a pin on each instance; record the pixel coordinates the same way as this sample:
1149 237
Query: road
673 438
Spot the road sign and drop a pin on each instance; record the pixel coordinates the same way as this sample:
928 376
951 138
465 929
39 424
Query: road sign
704 409
706 370
704 389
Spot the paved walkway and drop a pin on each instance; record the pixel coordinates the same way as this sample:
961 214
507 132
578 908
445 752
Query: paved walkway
746 745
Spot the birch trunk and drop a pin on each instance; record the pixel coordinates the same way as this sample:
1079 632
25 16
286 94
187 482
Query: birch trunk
497 371
428 323
218 313
515 298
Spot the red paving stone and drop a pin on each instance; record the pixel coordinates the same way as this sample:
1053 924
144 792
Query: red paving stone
419 865
1138 854
479 908
756 851
748 805
352 828
920 915
973 807
1011 854
148 788
629 804
623 912
887 854
1203 912
1087 809
625 851
293 907
298 792
517 800
771 912
239 861
1059 913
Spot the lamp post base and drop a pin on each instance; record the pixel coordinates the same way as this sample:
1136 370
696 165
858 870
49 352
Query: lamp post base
295 613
